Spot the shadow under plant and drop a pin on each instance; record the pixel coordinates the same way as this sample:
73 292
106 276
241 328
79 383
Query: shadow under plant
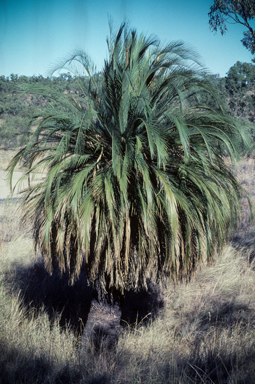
77 305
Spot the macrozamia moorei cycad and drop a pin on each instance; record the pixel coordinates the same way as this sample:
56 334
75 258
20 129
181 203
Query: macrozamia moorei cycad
136 182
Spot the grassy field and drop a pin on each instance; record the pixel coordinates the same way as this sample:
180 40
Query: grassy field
204 332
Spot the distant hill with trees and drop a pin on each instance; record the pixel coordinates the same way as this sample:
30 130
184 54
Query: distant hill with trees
18 106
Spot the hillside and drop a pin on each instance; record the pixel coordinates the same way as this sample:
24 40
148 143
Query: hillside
18 106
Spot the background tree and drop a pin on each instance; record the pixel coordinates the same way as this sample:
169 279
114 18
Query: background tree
237 12
240 93
136 183
240 77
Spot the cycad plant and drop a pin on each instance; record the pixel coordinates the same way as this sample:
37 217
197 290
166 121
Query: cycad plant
136 185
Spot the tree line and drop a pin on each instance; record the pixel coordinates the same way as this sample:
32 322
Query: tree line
17 106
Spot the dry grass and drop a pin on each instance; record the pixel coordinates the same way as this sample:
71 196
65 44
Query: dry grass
5 157
204 334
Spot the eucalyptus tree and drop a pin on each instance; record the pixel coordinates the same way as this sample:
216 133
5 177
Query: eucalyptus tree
136 185
223 12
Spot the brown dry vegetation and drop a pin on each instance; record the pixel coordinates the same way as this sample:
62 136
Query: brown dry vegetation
204 333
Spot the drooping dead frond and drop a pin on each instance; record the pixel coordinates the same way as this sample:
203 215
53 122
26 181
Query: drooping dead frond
136 184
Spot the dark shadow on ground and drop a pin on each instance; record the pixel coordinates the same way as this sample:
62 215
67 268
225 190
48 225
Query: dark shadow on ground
37 288
140 308
20 367
72 303
16 367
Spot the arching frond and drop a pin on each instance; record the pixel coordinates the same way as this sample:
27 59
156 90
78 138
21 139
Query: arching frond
136 183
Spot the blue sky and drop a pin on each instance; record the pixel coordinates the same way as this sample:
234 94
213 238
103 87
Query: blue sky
35 34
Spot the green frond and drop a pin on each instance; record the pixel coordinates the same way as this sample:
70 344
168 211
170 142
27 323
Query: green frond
136 184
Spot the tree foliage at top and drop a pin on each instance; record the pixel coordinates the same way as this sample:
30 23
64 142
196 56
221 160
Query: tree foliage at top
136 183
234 12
